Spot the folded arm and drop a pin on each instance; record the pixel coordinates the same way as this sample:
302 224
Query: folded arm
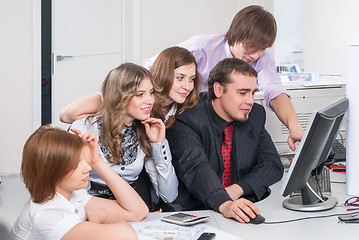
80 108
120 230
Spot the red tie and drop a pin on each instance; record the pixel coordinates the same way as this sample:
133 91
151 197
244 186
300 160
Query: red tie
226 154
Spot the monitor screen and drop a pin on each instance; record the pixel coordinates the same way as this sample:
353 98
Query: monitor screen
311 154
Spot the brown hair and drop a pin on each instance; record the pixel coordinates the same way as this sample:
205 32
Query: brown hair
221 73
163 76
253 26
49 154
119 87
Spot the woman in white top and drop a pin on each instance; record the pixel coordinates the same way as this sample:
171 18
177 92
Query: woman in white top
130 140
55 169
175 77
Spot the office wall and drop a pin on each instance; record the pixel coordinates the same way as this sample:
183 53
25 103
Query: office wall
167 23
290 32
329 27
15 81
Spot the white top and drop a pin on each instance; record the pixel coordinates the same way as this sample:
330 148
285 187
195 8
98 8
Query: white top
171 112
51 219
159 167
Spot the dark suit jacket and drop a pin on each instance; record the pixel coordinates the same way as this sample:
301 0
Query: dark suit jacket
198 160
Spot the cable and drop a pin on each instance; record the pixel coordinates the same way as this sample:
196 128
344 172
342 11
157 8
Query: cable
338 182
314 192
341 138
318 184
312 217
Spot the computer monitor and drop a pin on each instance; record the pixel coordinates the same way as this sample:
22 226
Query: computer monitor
310 157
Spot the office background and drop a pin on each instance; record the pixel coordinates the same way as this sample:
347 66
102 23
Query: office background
327 28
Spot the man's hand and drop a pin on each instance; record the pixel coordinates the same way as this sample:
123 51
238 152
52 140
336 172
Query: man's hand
234 191
283 108
241 210
295 135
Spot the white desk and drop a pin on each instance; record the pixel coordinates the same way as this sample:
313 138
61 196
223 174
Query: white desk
271 208
13 195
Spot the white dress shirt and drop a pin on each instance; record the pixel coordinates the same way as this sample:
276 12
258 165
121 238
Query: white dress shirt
52 219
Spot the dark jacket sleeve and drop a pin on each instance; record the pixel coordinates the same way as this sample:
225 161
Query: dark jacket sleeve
263 166
191 162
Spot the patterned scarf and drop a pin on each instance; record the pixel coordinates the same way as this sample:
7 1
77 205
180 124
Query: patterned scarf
129 144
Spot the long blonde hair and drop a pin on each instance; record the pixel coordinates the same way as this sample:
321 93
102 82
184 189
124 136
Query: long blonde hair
119 87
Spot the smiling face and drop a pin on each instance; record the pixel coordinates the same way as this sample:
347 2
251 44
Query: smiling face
76 179
235 100
140 105
239 51
183 84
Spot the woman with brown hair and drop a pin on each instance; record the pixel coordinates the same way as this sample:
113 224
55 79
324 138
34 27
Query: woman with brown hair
55 169
176 77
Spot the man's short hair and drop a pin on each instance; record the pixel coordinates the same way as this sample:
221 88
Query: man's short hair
221 73
254 27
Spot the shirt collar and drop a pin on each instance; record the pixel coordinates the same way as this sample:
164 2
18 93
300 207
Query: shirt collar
70 205
219 123
171 112
227 50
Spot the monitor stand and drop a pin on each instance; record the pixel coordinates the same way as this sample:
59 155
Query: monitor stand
309 201
296 204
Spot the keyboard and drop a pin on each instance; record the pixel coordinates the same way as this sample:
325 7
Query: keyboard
338 152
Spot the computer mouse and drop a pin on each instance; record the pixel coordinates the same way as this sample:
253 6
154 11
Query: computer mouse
257 220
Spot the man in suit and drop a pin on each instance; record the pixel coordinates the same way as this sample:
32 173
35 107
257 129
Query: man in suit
223 156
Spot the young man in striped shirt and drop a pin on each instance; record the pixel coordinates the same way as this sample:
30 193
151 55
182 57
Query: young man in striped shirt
251 32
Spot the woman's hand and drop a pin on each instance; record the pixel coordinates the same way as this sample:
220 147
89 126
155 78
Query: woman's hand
155 129
90 142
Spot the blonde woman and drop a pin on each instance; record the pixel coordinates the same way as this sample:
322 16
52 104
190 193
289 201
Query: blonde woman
130 140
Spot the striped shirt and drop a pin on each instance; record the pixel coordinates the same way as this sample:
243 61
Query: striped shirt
210 49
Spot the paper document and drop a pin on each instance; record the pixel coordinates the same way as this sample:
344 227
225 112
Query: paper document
311 79
159 230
